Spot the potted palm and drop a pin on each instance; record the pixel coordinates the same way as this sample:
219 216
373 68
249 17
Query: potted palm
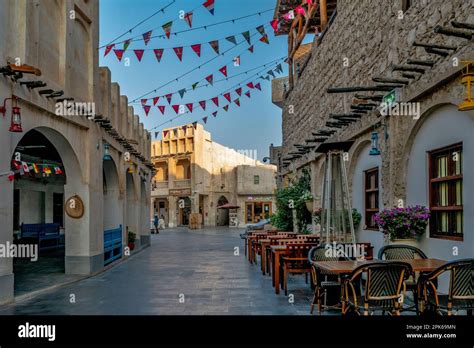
403 225
131 240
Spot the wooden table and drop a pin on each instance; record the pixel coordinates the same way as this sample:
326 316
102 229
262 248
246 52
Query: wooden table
277 251
344 267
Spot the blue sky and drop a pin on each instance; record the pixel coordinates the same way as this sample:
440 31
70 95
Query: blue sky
254 125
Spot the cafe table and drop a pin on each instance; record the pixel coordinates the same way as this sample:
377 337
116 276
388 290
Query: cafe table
277 251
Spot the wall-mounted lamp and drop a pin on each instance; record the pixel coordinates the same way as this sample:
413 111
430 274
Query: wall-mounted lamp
374 151
467 80
107 152
15 122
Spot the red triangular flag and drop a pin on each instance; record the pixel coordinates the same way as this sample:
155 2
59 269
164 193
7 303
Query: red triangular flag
227 96
119 54
139 54
158 54
247 94
210 79
203 104
165 133
239 91
190 107
264 39
161 108
237 102
215 45
209 4
143 101
250 85
216 100
168 97
250 49
197 48
214 113
147 37
274 24
223 70
175 108
257 86
11 176
179 52
188 17
204 119
108 48
155 100
226 108
147 109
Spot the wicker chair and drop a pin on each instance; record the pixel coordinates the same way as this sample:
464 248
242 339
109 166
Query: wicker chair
323 281
404 252
296 261
461 288
384 288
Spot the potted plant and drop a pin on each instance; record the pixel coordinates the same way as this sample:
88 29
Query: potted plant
131 240
308 199
403 225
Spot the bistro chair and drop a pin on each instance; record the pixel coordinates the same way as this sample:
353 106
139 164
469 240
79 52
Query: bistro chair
461 288
323 281
296 261
384 288
404 252
257 247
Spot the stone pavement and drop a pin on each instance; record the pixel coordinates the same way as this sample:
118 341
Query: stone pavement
198 266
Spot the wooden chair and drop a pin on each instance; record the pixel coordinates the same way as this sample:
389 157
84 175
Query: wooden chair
461 288
296 261
256 247
384 288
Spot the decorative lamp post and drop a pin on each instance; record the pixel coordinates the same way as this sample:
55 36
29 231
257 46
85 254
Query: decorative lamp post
374 151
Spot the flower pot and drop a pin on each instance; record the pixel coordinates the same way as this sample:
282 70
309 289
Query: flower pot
309 206
131 246
406 241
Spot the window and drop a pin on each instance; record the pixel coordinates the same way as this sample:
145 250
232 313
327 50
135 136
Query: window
406 5
446 201
58 208
371 197
256 179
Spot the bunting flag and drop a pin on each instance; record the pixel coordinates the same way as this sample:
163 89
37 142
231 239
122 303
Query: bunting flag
188 17
215 45
156 134
182 92
139 54
168 97
237 102
210 79
250 85
209 4
261 29
270 72
162 109
257 86
175 132
119 54
203 104
231 39
197 49
147 37
204 119
158 54
126 43
250 49
227 96
195 85
11 176
16 165
143 101
35 168
247 94
184 128
108 48
179 53
279 69
165 133
25 167
190 107
216 100
226 108
175 108
147 109
47 170
246 35
155 100
195 124
167 29
274 24
239 91
223 70
57 170
264 39
214 113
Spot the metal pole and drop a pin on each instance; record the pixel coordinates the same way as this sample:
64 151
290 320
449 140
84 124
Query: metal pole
349 205
328 194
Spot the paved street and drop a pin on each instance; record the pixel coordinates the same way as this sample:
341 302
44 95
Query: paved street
198 264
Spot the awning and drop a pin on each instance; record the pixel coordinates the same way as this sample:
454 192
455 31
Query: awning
228 206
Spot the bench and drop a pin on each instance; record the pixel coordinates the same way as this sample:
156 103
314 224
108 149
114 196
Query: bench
46 235
112 245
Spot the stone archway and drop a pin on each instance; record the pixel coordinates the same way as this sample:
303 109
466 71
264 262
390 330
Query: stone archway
222 215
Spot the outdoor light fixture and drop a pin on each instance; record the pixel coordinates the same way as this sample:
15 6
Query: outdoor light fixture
106 152
131 168
15 123
467 79
374 151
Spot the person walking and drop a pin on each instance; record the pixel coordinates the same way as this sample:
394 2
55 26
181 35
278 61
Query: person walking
155 222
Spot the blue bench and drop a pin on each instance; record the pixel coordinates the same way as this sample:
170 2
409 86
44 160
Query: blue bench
112 245
46 235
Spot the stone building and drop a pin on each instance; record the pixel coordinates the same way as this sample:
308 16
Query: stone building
85 168
371 48
194 174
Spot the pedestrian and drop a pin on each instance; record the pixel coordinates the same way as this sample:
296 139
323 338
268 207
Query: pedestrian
162 222
155 222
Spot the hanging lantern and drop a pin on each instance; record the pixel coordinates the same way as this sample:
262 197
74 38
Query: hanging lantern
106 152
467 79
15 123
131 168
374 151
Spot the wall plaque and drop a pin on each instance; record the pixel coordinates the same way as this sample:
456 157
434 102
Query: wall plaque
74 207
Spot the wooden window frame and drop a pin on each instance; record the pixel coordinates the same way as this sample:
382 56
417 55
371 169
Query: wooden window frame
367 192
256 179
458 147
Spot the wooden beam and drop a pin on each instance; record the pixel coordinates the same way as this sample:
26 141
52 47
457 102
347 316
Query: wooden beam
389 80
429 63
323 10
436 51
430 45
359 89
453 32
408 68
462 25
369 97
